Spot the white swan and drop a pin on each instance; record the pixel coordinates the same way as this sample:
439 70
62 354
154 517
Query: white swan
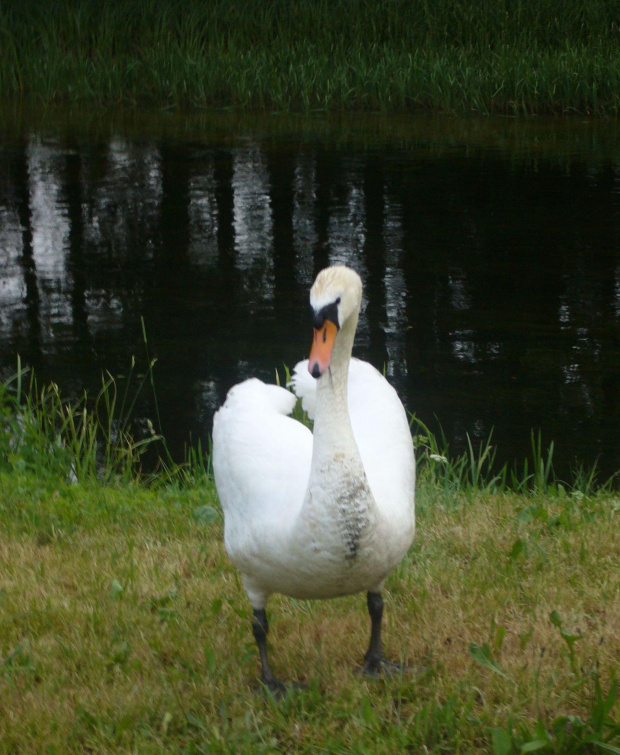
325 514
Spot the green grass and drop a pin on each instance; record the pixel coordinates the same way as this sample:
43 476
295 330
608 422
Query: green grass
500 56
124 627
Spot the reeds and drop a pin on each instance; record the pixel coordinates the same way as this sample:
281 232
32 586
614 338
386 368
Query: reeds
84 439
44 433
488 57
476 470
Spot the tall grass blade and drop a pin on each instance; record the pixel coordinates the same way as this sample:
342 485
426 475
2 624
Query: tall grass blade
51 435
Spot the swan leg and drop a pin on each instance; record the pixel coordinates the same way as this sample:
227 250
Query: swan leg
375 663
260 628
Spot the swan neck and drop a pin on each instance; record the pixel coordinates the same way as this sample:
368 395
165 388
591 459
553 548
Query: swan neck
332 414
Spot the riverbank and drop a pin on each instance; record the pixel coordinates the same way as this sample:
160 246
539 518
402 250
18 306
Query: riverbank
459 57
125 628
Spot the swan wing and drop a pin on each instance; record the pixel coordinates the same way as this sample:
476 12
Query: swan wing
383 436
261 463
381 431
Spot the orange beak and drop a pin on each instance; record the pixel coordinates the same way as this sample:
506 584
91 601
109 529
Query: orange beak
322 347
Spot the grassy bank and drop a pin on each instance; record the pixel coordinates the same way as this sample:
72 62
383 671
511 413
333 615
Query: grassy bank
393 55
124 628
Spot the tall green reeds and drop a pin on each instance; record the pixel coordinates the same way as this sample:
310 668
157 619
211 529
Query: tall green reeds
75 440
496 56
476 470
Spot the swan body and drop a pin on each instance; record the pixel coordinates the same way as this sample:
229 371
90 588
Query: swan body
325 513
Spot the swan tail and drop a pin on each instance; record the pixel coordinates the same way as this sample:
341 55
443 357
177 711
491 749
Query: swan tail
254 395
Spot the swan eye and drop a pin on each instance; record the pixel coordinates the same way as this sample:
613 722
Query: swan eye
338 300
329 312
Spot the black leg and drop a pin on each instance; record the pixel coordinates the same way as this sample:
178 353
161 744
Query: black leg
375 662
260 628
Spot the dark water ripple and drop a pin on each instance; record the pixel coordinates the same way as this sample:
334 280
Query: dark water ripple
489 250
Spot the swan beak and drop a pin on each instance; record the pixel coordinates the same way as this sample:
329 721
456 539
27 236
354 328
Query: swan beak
322 347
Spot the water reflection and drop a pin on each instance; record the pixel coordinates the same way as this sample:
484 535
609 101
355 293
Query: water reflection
492 276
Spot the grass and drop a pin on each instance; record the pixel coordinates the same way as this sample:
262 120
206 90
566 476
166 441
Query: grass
393 55
124 627
476 470
42 432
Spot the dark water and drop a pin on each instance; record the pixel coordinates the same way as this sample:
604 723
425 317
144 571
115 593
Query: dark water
490 252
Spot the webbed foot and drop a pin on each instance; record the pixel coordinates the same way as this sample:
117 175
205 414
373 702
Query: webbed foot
279 689
377 667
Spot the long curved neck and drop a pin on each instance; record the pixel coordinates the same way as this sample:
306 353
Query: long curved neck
333 434
338 501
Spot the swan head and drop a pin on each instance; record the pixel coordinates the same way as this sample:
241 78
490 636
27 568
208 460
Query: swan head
335 298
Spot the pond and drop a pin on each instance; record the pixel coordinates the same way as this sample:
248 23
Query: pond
489 250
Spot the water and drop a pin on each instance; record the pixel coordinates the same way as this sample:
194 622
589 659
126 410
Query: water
489 250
